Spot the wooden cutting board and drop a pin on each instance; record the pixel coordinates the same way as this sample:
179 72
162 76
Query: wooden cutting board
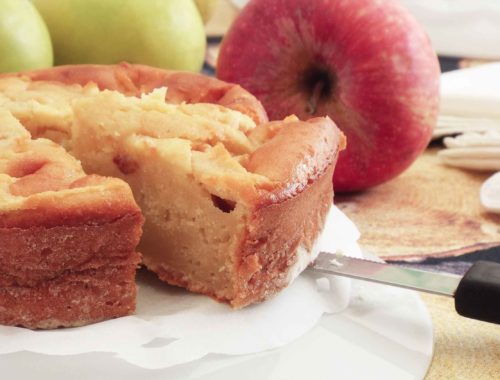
429 211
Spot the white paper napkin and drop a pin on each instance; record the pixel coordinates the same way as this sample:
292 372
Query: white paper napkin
477 151
173 326
470 104
473 92
460 28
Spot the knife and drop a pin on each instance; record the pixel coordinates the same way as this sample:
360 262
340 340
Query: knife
477 293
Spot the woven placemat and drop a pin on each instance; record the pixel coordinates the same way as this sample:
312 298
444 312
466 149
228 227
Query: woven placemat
431 210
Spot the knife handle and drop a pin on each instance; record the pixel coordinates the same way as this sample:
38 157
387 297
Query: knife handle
478 293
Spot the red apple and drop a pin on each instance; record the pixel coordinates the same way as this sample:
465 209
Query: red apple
367 64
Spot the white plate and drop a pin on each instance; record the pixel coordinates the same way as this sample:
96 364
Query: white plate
385 333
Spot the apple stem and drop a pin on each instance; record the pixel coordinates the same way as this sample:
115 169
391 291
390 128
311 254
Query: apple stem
312 103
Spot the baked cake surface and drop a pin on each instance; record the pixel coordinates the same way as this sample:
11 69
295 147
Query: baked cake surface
67 240
135 80
42 107
233 204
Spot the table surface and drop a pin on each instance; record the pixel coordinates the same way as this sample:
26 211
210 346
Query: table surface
463 348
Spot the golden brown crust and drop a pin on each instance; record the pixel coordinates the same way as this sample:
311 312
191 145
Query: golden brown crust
273 236
296 155
38 253
138 79
301 157
102 200
74 298
67 240
68 275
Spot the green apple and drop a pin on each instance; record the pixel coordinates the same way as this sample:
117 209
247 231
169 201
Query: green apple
161 33
206 8
24 38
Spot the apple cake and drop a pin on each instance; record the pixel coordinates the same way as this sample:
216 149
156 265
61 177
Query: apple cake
67 240
233 204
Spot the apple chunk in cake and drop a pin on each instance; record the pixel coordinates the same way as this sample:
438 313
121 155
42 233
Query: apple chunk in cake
44 108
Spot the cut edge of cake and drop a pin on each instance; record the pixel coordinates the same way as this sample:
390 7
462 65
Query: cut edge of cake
229 224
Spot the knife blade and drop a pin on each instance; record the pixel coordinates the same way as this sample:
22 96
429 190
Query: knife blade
477 293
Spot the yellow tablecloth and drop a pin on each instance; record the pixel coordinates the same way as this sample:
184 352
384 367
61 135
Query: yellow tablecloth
463 348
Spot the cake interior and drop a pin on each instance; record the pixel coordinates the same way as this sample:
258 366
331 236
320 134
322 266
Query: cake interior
185 165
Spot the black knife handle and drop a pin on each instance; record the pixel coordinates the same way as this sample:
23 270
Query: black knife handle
478 293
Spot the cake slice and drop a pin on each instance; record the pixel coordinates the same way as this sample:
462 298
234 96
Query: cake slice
232 209
67 240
